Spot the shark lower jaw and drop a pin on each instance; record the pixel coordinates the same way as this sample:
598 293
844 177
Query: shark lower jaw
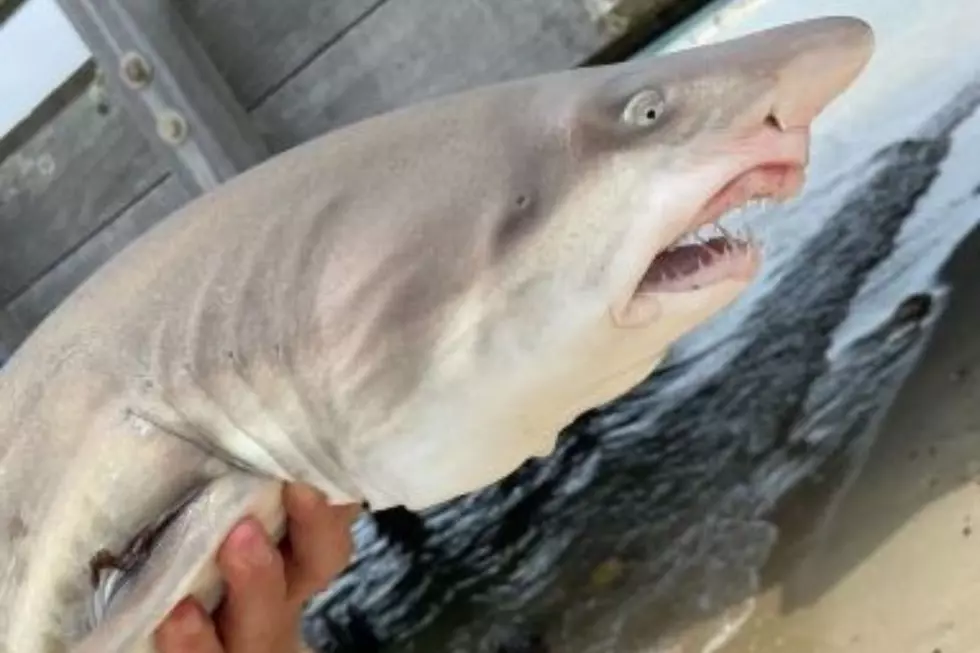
706 254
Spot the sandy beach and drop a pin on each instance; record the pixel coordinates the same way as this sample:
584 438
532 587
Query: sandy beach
899 569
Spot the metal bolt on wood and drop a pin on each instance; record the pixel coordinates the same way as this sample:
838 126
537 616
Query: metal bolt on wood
135 70
162 77
172 128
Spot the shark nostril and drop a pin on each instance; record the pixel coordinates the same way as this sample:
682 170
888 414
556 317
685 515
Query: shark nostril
772 120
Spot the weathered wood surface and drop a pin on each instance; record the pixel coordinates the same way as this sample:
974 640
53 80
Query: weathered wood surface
77 174
257 45
82 169
409 50
155 67
87 182
30 307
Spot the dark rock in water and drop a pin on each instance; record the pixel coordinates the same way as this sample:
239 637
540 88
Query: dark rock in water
913 309
663 506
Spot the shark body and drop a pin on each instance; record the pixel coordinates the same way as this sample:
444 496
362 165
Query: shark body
398 312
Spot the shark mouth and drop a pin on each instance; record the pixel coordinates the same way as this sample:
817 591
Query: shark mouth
706 253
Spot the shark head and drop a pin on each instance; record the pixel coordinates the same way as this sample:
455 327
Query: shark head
626 254
669 146
561 238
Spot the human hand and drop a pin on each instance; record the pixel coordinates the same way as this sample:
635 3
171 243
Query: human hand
266 586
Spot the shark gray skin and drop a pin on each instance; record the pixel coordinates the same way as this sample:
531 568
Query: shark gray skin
398 312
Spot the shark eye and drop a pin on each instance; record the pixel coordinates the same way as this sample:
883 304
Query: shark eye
644 109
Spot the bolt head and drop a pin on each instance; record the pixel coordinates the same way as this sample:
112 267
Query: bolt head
135 70
171 127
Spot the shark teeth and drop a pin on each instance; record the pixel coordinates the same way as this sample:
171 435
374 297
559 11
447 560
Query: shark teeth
691 267
741 236
710 252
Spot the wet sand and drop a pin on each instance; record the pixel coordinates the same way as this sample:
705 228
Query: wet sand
899 568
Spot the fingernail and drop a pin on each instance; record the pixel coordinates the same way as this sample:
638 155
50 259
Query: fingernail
249 539
187 619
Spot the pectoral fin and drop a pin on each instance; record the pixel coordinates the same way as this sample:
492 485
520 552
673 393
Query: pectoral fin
178 562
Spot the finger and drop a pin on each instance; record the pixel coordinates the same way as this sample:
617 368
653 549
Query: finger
254 614
187 630
319 540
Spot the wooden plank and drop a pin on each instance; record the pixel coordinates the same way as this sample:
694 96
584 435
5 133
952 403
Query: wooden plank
76 175
257 45
97 162
156 69
636 22
30 307
50 108
403 51
621 16
408 50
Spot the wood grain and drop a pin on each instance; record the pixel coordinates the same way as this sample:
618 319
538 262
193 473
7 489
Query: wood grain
27 310
87 181
78 173
410 50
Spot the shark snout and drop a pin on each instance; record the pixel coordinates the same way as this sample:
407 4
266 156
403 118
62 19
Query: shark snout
814 62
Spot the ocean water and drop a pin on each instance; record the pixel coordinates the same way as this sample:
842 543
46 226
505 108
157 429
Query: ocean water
663 509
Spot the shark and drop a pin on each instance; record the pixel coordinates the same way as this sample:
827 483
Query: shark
397 312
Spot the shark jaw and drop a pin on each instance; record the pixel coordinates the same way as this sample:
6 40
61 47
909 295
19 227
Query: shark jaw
706 253
704 265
